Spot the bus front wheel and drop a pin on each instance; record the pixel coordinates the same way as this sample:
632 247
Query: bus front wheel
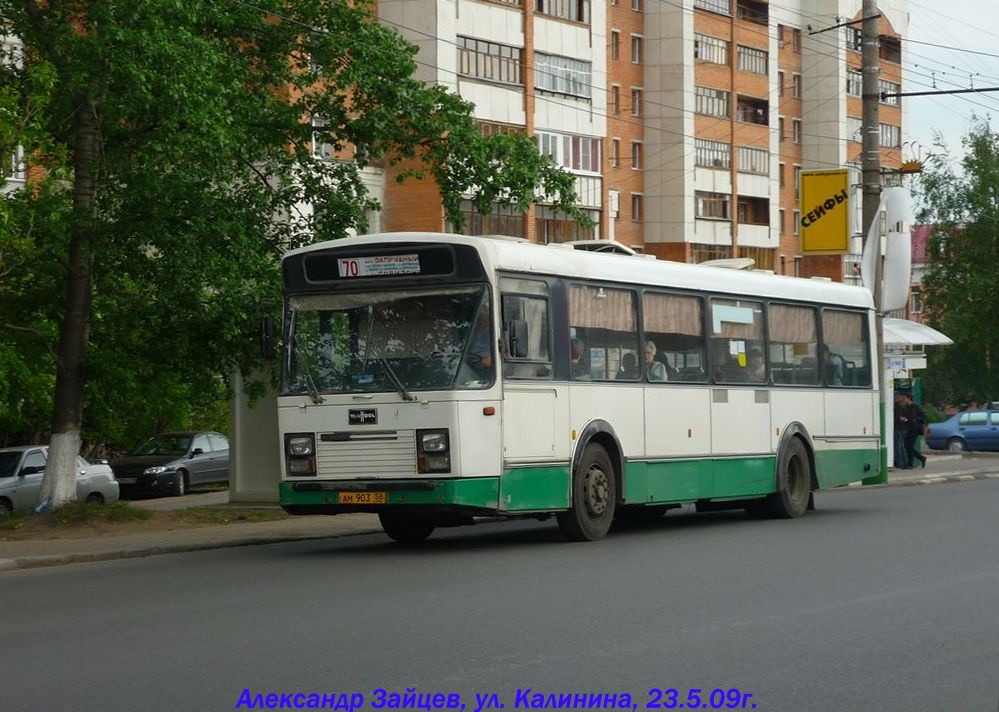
594 497
404 527
794 482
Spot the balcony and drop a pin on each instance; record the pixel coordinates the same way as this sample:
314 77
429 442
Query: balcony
752 11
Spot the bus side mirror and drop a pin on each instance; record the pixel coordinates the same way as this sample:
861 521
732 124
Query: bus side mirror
267 337
518 338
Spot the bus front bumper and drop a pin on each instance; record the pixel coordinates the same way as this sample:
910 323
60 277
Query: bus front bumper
473 496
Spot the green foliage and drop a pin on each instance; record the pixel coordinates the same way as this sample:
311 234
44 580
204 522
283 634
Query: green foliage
204 157
960 288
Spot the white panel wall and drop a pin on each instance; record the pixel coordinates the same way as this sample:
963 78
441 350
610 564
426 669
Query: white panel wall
757 236
495 103
490 22
711 232
712 180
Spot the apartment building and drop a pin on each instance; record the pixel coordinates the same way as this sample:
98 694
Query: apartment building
686 122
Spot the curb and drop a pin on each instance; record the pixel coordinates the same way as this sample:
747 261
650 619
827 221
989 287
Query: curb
913 480
37 562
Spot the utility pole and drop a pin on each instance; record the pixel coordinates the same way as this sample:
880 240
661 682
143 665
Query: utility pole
871 190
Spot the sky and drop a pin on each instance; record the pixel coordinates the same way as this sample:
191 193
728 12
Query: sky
964 27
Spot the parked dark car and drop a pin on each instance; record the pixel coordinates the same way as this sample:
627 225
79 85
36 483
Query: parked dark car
171 463
22 469
970 430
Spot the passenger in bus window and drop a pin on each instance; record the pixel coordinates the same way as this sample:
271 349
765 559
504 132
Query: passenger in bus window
577 365
756 368
831 365
655 369
629 368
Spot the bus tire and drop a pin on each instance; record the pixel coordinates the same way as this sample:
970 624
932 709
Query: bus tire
594 497
405 528
794 482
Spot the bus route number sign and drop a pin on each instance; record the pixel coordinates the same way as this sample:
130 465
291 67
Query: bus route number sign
378 266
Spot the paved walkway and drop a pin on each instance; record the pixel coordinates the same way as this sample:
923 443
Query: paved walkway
53 552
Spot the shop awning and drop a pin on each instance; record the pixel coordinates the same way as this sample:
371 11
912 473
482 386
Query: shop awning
902 332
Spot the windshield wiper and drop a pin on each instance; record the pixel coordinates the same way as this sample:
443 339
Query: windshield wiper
310 383
396 381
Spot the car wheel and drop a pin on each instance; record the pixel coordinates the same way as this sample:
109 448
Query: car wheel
5 508
95 498
180 485
405 527
794 482
957 445
594 497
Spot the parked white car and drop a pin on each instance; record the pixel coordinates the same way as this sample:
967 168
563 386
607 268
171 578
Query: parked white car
22 469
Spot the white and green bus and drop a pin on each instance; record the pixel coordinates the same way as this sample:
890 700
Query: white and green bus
435 379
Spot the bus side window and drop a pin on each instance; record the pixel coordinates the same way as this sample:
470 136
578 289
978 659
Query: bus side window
525 336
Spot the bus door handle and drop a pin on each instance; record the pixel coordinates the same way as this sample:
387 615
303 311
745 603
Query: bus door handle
362 396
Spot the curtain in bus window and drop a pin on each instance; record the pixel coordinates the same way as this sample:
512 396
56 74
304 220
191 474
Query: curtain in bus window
603 323
793 344
675 325
533 312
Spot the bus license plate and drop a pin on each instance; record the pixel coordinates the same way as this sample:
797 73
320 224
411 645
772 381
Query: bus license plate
363 498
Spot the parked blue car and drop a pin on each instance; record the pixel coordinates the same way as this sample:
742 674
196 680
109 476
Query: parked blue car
962 432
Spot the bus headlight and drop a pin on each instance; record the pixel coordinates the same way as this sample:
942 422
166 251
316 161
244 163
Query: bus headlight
432 451
300 454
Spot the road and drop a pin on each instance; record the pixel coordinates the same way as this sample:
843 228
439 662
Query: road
883 599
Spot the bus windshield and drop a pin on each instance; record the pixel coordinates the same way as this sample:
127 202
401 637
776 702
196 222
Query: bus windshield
415 339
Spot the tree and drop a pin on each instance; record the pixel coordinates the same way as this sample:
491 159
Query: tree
177 141
960 288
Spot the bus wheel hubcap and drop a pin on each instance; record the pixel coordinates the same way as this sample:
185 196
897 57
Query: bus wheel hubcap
596 489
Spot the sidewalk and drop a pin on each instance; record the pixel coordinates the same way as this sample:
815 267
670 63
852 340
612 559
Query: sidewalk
940 467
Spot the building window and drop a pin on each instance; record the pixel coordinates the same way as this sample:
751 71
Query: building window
712 154
780 170
712 205
488 60
796 86
14 167
636 5
636 207
753 11
854 128
721 6
753 211
550 226
780 128
754 160
636 102
887 87
710 49
751 110
615 157
797 183
854 82
891 136
615 102
783 224
636 155
575 10
752 59
796 130
636 49
854 39
580 154
917 302
615 44
321 146
780 83
796 40
796 217
711 102
563 75
501 220
890 49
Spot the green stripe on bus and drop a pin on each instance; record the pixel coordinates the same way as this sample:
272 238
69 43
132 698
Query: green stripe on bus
672 481
535 488
835 468
482 492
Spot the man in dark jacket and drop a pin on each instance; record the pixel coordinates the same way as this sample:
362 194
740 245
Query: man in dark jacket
916 428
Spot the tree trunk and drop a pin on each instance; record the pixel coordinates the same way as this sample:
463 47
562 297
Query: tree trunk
59 483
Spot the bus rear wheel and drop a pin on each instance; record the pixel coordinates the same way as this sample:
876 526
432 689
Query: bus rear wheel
594 497
794 483
404 527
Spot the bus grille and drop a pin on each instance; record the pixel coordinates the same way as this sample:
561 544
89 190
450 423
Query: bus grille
374 453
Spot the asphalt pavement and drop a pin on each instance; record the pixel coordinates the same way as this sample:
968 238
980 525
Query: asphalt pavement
940 468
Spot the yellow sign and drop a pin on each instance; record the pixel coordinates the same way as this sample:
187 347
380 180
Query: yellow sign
825 212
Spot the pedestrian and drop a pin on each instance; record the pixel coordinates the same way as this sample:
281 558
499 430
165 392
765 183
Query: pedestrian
916 428
901 421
